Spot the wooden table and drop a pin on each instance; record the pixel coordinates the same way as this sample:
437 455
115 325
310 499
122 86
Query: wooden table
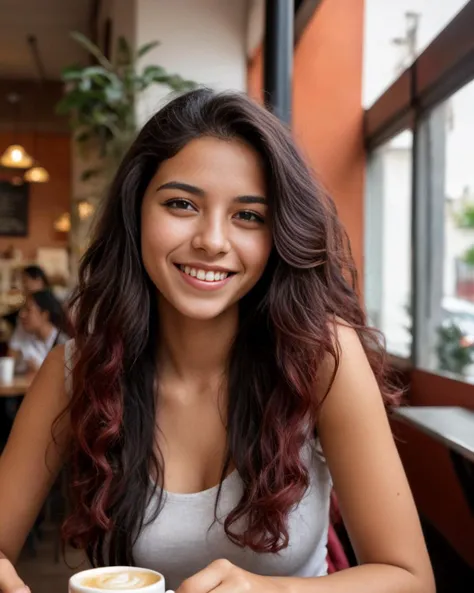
454 428
19 386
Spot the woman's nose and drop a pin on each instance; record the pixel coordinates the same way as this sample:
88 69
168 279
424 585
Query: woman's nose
212 236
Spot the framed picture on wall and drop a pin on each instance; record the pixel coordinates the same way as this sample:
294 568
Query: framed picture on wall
13 209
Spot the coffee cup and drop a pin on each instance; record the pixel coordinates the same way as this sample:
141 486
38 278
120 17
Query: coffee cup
7 369
118 579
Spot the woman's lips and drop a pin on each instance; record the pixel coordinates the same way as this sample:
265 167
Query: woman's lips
204 284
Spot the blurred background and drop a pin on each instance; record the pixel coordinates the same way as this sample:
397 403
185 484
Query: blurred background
380 97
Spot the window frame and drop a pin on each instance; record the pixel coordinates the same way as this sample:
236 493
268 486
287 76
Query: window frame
443 68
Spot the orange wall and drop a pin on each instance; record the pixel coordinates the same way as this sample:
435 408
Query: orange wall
47 200
327 107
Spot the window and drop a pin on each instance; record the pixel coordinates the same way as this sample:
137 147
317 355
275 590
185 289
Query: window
388 242
446 323
396 31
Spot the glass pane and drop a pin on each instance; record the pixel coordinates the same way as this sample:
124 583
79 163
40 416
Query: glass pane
388 242
451 322
396 32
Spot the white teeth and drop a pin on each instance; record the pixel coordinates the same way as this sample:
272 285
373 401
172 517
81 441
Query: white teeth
207 276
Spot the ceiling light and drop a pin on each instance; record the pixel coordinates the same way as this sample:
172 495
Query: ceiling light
15 156
36 174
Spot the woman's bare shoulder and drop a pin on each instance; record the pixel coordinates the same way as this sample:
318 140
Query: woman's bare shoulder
34 453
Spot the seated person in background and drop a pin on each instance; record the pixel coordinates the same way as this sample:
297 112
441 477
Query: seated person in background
33 279
42 325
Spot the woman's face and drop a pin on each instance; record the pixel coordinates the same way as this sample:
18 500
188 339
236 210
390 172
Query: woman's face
32 318
206 234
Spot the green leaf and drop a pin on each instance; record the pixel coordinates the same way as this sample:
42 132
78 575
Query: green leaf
92 48
114 94
153 71
468 256
124 53
144 49
85 84
72 73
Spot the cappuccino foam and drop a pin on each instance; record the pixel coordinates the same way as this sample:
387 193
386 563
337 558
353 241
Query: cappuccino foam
117 581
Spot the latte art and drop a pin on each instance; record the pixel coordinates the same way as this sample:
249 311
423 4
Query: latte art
117 581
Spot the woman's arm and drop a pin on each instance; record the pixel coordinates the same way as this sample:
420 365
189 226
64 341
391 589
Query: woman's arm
31 460
372 489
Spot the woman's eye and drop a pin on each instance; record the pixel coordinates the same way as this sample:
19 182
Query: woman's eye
249 216
179 204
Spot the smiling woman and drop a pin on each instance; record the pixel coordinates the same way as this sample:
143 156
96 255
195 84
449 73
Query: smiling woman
222 377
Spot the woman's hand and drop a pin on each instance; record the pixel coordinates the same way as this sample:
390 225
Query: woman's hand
10 582
223 577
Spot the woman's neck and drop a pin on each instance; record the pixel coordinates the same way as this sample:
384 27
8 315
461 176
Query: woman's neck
192 349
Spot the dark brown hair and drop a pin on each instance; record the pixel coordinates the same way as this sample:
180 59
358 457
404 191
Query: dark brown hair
283 337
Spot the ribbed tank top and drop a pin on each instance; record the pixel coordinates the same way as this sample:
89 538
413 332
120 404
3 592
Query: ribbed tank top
184 538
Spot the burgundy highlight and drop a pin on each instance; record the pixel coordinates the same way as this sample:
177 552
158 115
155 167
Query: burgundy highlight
284 336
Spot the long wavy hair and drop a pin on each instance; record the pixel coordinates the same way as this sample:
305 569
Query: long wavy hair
284 334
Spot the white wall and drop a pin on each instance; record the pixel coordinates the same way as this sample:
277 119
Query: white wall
202 40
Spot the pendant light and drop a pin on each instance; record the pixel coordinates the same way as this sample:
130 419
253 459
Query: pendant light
36 174
63 223
15 156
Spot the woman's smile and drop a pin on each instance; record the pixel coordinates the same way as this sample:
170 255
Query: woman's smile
204 278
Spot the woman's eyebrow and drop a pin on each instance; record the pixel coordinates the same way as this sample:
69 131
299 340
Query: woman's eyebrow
197 191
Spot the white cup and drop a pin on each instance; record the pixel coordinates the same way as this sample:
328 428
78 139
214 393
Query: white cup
7 369
123 584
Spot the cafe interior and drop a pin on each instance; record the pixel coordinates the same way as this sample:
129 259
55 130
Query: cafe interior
388 85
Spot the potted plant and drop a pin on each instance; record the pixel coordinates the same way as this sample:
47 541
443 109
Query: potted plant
101 98
101 101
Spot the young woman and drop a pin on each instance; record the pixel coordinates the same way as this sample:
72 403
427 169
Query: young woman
222 378
43 326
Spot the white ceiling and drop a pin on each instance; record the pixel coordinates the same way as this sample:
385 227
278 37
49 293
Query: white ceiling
50 21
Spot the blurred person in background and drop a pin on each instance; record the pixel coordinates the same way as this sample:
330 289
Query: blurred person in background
43 325
33 278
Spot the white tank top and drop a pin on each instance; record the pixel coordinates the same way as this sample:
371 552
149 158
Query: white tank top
184 538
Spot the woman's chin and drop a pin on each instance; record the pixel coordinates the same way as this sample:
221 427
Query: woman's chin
200 310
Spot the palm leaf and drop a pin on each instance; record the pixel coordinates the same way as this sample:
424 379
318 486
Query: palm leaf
92 49
144 49
124 53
